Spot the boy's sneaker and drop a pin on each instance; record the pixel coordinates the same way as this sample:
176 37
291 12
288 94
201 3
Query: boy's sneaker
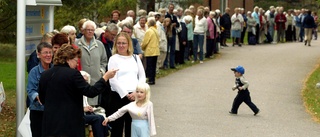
256 113
232 113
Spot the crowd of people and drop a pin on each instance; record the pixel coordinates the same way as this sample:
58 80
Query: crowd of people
119 55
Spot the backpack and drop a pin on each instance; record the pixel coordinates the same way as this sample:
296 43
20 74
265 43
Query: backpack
252 40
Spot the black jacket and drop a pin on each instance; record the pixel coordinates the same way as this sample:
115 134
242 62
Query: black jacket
61 90
173 20
225 21
183 34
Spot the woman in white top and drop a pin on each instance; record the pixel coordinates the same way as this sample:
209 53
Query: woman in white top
198 35
236 27
124 83
141 111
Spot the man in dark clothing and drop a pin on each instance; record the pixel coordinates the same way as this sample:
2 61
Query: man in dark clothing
308 24
171 41
107 38
183 39
225 23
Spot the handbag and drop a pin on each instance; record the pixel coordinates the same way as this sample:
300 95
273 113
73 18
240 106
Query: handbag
24 127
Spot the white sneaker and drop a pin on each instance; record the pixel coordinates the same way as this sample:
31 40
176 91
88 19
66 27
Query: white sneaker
192 61
201 62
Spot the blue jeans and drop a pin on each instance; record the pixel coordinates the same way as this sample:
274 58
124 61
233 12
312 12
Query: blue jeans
172 49
198 40
96 122
271 30
301 34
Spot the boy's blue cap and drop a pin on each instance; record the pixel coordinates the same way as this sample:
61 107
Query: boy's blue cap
239 69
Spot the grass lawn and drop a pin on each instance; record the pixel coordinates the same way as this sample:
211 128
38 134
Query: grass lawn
311 94
8 78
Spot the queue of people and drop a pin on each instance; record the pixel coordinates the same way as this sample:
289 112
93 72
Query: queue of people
123 57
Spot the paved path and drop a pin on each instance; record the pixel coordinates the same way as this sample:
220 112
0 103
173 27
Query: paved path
194 102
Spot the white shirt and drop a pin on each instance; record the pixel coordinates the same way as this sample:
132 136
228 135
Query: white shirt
200 25
130 73
236 25
163 37
139 32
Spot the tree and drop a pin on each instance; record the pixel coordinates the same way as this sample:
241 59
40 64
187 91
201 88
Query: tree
96 10
8 21
181 3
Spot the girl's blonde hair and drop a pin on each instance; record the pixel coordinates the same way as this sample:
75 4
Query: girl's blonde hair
168 29
146 88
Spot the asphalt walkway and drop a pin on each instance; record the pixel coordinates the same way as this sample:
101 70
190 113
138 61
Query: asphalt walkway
195 102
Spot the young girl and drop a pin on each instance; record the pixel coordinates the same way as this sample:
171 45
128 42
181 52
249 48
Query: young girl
168 31
141 112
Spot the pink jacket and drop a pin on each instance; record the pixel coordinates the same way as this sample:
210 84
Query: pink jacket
210 23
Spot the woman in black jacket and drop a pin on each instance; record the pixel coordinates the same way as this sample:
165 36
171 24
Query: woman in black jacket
61 91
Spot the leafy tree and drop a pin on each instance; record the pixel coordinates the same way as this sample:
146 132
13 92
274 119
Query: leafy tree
182 3
96 10
8 21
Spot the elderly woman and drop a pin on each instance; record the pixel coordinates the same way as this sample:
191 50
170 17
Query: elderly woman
150 46
140 29
115 15
211 35
236 27
33 59
71 32
61 91
123 85
44 53
251 29
94 58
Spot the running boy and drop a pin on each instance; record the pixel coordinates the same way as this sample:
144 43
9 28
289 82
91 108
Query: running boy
243 93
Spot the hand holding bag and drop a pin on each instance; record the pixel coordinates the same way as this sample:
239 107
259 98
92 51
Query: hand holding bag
24 127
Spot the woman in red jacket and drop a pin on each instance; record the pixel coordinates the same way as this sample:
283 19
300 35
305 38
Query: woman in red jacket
280 25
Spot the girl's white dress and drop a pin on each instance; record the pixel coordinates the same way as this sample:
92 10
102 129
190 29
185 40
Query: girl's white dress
143 124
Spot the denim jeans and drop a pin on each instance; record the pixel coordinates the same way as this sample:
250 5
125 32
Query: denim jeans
198 40
171 52
301 34
271 30
96 122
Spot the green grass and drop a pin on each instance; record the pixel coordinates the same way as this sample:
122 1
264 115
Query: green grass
311 94
8 78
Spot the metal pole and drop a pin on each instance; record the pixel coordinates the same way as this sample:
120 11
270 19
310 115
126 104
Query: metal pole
20 77
51 18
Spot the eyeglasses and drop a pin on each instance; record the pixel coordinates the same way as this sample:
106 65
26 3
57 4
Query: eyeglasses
89 30
121 43
46 53
113 34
